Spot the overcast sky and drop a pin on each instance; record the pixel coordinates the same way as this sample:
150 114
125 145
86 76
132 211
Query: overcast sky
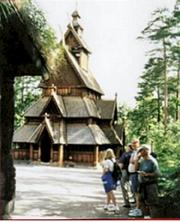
111 28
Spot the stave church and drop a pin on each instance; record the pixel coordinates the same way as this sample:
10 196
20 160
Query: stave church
70 122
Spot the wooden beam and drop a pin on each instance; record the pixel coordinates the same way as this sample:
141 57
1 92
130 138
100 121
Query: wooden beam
31 151
39 153
61 154
51 154
96 155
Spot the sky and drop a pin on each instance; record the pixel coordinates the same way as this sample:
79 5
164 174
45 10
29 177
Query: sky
111 28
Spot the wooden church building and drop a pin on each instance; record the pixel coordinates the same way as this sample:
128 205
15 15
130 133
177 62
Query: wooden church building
70 122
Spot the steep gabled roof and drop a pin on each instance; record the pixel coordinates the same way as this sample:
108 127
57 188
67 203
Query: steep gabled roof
85 76
68 106
32 131
39 107
78 38
61 133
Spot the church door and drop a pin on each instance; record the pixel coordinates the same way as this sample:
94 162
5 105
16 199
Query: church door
45 147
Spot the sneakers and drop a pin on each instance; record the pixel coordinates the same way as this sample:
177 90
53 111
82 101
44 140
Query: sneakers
117 209
106 207
135 213
111 208
147 217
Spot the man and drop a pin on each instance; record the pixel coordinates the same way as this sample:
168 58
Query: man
136 212
123 164
147 175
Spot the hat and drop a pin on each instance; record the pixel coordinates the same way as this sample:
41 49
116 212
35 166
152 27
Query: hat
144 147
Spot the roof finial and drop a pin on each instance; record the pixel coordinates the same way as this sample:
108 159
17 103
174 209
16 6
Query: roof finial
116 96
53 89
76 7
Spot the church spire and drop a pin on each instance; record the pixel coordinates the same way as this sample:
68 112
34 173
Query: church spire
75 22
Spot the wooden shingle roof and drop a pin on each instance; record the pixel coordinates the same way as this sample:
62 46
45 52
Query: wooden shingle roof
85 76
113 136
27 133
78 38
106 108
61 133
85 134
69 107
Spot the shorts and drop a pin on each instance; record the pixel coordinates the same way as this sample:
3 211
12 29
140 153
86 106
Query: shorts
134 182
108 182
149 193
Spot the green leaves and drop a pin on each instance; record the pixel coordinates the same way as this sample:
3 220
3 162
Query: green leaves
26 92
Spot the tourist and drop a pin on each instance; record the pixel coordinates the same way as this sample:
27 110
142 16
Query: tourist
108 182
147 176
125 185
136 212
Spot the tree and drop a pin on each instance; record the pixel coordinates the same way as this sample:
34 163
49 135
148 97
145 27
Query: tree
26 88
158 31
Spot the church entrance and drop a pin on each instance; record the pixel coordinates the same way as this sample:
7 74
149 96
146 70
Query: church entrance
45 147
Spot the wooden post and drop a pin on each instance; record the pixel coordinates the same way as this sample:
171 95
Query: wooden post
31 152
39 153
51 154
96 155
61 154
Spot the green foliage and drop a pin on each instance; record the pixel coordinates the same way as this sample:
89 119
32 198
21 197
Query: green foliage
146 120
26 92
38 27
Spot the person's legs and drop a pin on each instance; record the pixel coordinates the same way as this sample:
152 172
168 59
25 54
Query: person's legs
152 199
134 182
108 198
124 187
113 199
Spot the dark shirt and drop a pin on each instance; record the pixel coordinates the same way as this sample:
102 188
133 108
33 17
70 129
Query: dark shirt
124 159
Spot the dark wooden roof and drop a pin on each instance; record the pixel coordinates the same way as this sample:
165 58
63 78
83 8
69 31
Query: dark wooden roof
26 133
78 38
106 108
61 133
74 107
111 133
85 76
85 134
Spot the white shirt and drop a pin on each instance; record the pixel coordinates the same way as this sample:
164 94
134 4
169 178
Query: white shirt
108 164
131 167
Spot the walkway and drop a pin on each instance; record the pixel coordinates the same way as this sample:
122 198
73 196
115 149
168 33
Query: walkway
45 192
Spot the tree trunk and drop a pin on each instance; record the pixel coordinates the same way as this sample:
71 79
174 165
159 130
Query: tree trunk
7 171
159 105
178 93
165 86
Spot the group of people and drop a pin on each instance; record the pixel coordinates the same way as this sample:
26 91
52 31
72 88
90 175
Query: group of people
139 173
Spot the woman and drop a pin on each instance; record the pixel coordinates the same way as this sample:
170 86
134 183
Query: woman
108 182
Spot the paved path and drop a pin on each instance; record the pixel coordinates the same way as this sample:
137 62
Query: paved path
58 193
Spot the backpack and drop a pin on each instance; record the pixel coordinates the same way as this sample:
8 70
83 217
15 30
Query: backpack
116 173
